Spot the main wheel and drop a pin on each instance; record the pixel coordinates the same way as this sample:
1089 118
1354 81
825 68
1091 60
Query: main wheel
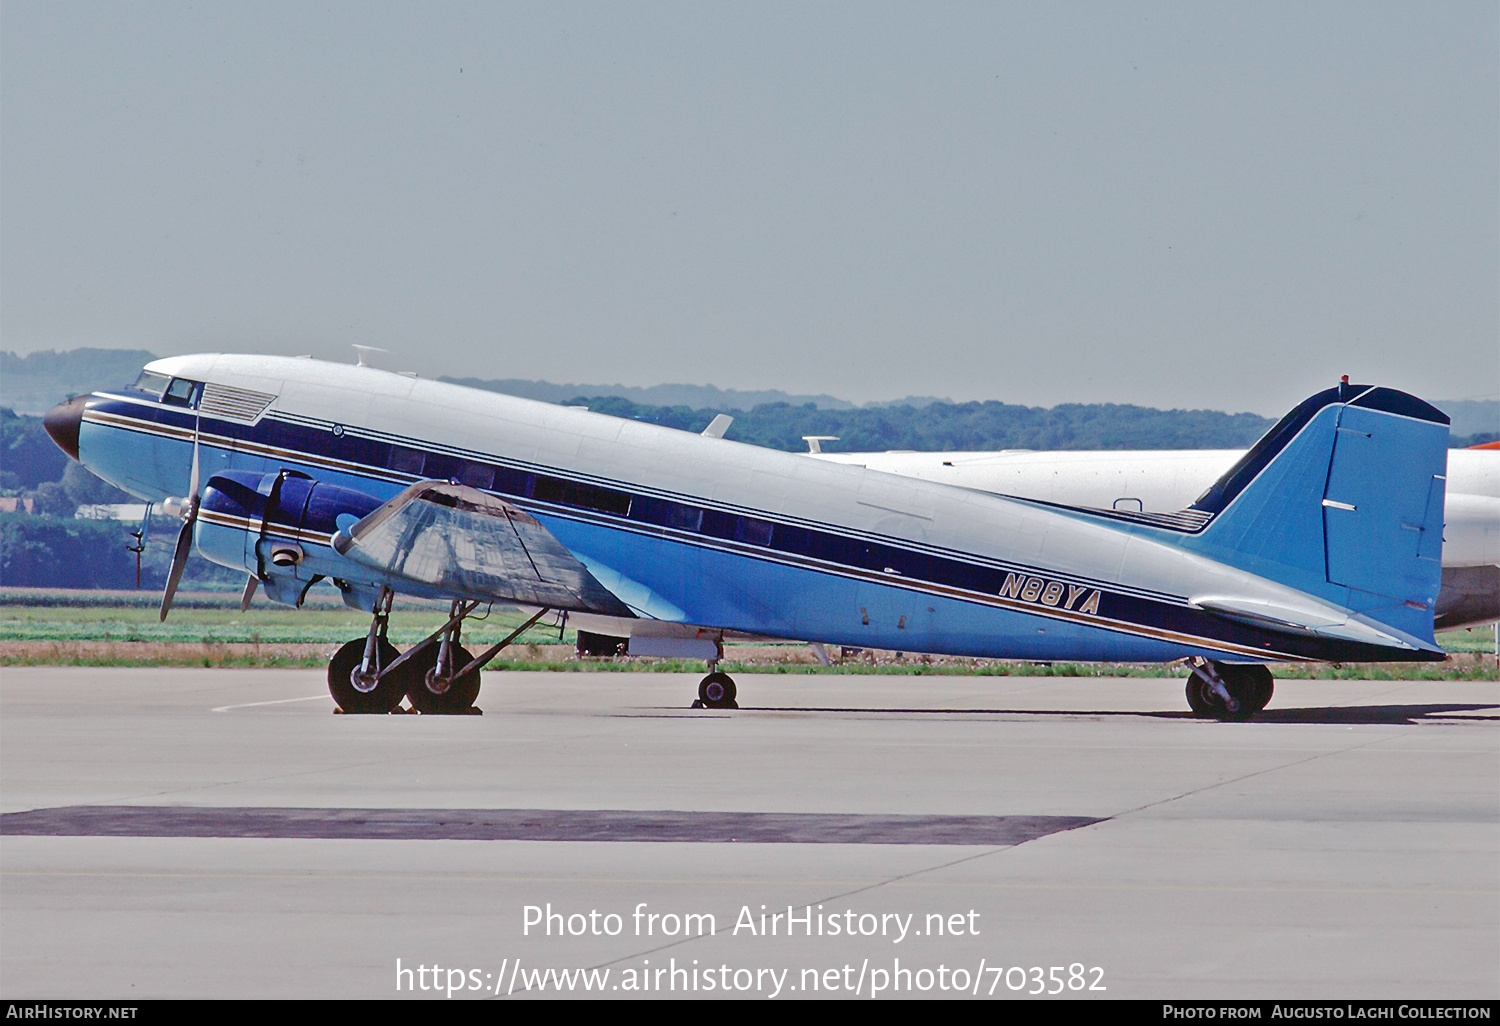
355 695
1264 685
457 697
1200 699
717 691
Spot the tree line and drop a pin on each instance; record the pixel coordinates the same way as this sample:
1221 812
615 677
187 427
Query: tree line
976 426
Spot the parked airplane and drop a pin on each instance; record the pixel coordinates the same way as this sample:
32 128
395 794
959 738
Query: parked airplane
1160 481
1322 543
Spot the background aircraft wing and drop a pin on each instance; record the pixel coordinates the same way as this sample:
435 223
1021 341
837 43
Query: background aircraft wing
475 546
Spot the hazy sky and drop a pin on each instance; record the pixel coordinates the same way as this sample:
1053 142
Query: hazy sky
1184 204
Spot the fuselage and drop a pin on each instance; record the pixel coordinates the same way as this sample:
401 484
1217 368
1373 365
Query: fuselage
704 531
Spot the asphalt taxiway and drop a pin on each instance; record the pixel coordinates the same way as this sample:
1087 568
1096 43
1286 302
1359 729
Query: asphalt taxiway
220 833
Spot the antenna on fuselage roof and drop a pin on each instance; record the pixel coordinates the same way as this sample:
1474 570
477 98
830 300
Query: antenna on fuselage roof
364 351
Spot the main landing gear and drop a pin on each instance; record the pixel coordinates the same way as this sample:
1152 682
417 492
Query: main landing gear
359 676
437 675
439 679
1228 691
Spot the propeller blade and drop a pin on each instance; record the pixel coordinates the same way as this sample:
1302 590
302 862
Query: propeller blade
193 481
185 536
179 559
248 593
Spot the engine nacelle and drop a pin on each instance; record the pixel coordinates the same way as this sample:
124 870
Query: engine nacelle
278 526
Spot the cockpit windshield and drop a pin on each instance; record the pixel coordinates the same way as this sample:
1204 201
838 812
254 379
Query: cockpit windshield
180 392
152 382
166 389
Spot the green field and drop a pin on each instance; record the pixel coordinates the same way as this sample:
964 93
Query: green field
122 628
218 620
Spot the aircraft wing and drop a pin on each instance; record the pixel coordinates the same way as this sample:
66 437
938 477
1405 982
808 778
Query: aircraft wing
475 546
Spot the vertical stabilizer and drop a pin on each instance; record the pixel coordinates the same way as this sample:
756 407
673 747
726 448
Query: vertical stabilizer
1342 499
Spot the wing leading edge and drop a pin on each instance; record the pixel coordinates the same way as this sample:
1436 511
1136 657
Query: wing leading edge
475 546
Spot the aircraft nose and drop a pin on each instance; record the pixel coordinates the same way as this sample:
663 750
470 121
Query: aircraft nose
62 423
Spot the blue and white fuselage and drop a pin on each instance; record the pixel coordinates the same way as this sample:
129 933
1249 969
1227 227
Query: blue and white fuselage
722 536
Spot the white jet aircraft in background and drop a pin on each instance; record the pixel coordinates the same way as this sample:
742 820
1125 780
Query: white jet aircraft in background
1159 481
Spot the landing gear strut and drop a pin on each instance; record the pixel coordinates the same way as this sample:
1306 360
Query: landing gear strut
437 674
355 677
1228 691
435 683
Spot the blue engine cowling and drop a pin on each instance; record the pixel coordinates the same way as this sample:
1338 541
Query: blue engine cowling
279 526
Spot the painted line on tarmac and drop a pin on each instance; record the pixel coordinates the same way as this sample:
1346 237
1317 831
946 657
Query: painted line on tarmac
275 701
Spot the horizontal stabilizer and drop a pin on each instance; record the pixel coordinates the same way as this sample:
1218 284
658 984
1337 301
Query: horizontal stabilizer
476 546
1308 621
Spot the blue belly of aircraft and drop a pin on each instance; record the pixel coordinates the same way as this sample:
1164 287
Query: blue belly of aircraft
760 596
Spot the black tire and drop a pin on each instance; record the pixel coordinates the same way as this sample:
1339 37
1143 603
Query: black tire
346 662
460 695
1200 700
1265 685
717 691
1244 684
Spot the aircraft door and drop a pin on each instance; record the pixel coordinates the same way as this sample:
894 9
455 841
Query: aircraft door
902 618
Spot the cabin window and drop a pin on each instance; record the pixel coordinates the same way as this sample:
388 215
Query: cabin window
406 461
444 468
792 539
581 496
686 518
513 482
756 532
665 513
356 449
548 489
180 392
717 524
478 475
604 500
837 549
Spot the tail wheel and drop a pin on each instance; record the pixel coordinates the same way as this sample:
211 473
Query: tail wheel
1264 685
430 695
1250 685
355 693
717 691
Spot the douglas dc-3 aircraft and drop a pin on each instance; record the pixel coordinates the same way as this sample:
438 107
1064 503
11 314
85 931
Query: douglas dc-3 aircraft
1323 543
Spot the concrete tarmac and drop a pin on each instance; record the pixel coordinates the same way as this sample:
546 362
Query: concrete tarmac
220 833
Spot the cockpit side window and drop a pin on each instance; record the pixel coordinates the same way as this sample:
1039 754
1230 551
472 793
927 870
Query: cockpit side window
152 382
180 392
